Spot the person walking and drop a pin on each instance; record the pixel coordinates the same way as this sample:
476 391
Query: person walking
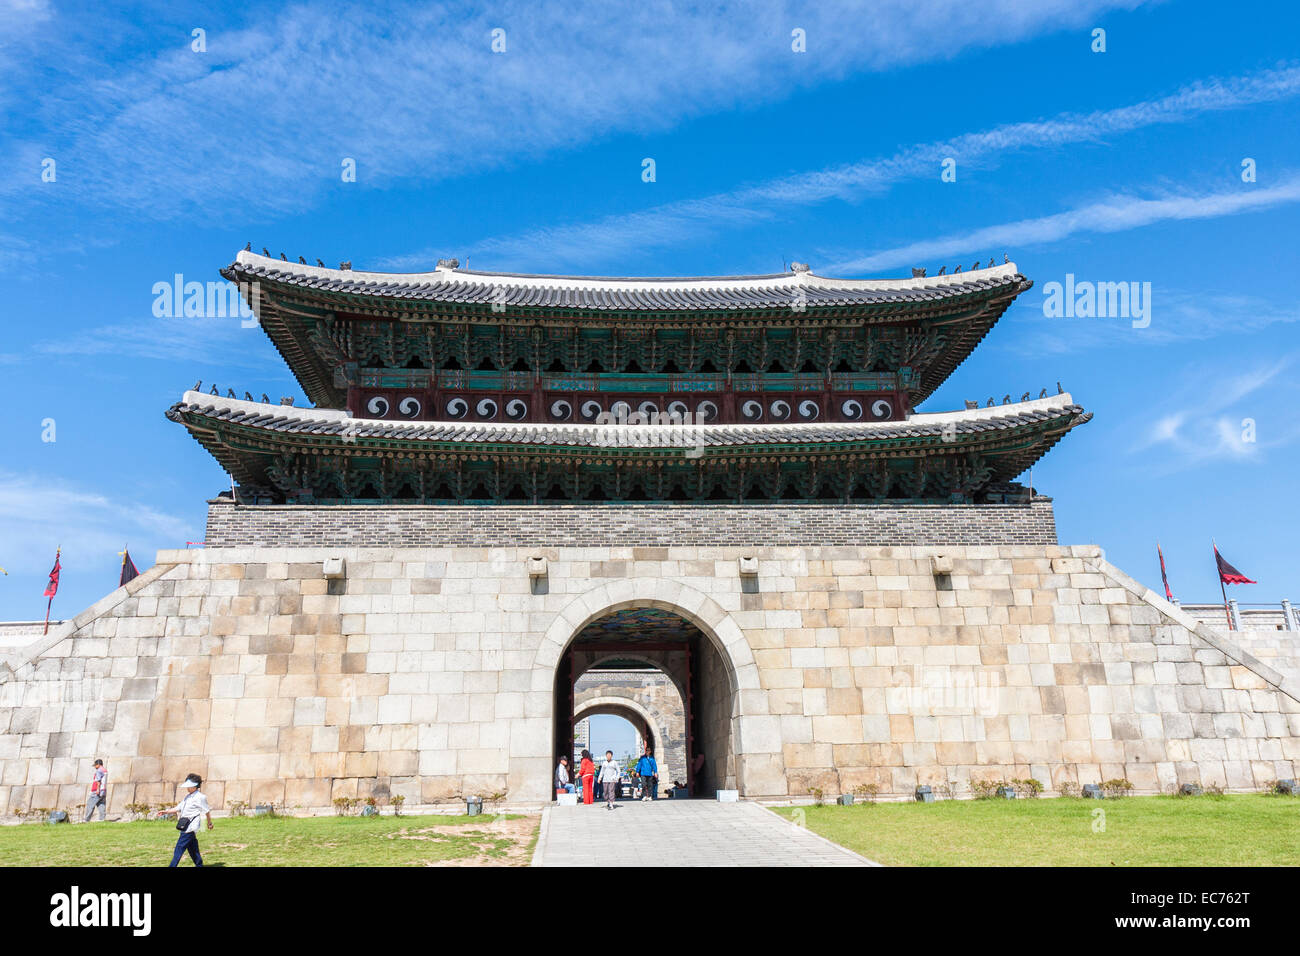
609 777
189 815
587 771
648 771
562 781
98 791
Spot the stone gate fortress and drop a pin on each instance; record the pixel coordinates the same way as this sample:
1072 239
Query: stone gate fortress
509 481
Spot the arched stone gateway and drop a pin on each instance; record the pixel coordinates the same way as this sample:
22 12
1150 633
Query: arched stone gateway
688 636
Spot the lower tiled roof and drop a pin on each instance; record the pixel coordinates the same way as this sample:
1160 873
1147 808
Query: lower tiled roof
289 420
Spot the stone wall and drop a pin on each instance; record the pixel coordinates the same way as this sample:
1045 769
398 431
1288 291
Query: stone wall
1264 633
417 526
1280 650
430 672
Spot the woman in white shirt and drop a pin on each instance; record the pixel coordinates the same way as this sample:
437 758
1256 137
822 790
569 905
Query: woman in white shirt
189 812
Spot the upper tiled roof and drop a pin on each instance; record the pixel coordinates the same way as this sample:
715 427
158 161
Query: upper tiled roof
596 293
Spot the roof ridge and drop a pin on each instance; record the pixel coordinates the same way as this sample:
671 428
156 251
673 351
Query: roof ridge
795 280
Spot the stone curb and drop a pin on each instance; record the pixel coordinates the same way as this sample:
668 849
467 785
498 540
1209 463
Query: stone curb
543 832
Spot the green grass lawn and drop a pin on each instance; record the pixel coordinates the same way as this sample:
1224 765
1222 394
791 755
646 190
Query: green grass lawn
281 841
1232 830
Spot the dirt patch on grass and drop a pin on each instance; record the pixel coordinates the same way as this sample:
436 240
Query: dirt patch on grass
499 843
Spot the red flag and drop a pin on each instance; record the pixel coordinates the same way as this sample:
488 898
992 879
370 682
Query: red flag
128 568
53 587
1169 595
1227 573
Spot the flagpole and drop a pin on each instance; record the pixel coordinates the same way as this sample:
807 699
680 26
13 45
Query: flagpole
1222 590
1164 576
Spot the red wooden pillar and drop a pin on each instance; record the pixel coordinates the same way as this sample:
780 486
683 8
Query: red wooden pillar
690 718
564 709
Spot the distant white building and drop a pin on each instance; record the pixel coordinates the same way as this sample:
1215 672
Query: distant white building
1247 617
16 634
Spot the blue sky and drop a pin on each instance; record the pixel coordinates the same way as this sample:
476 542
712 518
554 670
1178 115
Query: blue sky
1117 166
612 733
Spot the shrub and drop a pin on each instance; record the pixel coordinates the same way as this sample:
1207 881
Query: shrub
819 796
985 789
1212 790
1028 788
343 806
868 790
238 808
1119 787
396 801
1069 788
1274 789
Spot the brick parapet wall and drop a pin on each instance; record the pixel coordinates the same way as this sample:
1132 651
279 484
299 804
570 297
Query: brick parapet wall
368 526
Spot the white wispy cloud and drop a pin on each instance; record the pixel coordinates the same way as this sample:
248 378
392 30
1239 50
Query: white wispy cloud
39 513
1177 315
625 235
1231 422
19 19
212 341
414 92
1113 214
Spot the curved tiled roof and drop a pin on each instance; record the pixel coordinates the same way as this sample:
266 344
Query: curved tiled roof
257 442
600 293
289 420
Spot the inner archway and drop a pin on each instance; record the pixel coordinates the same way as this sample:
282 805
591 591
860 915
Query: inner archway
648 700
619 731
662 669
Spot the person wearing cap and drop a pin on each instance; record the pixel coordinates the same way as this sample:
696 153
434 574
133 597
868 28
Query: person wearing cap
190 812
562 782
98 792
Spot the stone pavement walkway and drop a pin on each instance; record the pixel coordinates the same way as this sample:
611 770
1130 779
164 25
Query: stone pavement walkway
681 833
